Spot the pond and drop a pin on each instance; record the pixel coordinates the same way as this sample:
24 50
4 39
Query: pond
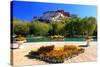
48 39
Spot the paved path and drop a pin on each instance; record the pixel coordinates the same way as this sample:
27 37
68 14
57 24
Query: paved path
19 55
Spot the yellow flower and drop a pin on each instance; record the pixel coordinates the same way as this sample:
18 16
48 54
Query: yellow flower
58 48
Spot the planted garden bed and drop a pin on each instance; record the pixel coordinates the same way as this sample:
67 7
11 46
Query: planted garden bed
52 54
57 38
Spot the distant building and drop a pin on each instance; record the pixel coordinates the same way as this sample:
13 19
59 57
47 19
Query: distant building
54 16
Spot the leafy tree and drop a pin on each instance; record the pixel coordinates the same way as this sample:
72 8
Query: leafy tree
39 28
65 20
72 27
20 27
58 28
81 26
67 27
89 25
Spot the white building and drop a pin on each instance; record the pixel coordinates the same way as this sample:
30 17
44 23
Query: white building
54 15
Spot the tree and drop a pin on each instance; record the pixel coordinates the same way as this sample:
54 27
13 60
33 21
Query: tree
20 27
58 28
39 28
95 31
65 20
89 25
73 27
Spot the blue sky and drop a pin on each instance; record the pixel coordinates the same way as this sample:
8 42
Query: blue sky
27 10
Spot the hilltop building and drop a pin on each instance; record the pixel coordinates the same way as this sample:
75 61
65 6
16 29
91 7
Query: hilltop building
55 16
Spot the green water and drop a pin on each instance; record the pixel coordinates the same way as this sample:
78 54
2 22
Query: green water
47 39
38 40
74 39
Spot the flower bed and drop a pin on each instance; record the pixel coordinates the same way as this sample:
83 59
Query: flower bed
20 38
44 49
57 37
58 55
